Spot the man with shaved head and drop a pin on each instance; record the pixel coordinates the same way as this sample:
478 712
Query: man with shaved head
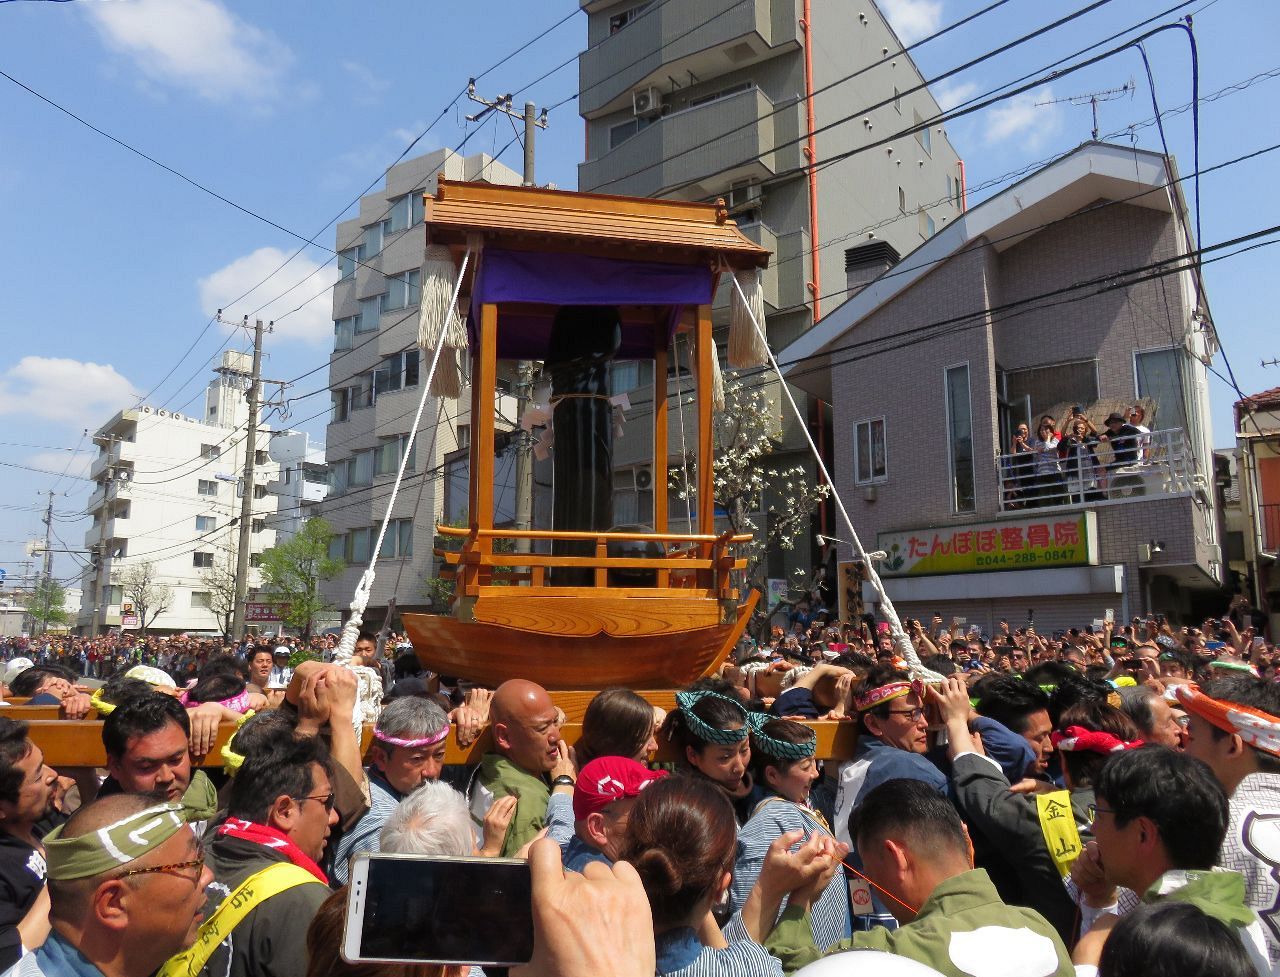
529 761
126 890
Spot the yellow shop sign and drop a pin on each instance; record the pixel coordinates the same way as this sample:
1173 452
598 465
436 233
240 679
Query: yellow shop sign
1013 544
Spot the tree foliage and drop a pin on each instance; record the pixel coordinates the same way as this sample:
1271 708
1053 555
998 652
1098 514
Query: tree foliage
47 604
293 571
150 596
746 486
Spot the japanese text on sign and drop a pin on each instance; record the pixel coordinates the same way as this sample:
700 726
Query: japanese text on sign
1051 541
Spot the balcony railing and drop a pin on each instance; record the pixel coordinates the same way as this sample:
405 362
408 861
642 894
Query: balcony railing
1270 517
1126 469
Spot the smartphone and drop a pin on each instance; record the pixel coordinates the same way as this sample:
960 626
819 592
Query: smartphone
426 909
1031 616
1109 616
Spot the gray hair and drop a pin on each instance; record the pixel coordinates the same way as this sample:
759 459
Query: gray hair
411 718
433 820
1135 702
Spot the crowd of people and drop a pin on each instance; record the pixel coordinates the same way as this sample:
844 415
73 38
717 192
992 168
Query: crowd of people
1081 803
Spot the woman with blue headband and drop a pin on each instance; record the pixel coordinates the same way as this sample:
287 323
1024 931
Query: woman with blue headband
710 731
785 766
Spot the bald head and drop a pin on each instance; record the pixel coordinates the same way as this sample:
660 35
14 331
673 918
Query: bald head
525 727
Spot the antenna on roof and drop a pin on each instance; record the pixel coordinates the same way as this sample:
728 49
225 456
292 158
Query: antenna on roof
1093 98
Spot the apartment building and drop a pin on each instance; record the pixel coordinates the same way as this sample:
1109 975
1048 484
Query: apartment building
1027 306
374 374
1258 456
301 483
167 489
707 99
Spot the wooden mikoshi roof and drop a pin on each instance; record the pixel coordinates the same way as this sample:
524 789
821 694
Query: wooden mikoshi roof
534 219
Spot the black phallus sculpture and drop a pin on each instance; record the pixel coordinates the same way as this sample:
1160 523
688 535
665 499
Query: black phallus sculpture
584 340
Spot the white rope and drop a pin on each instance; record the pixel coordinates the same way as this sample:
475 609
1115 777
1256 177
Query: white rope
684 447
351 630
900 639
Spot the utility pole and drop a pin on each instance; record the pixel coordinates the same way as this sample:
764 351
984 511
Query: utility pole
246 499
48 563
525 369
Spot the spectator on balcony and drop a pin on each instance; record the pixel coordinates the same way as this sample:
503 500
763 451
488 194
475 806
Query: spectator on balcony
1048 487
1124 439
1077 449
1021 471
1138 418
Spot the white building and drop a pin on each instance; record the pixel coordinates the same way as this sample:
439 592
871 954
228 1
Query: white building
168 496
301 484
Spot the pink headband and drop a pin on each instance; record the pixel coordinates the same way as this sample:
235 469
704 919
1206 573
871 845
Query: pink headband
237 703
887 693
431 740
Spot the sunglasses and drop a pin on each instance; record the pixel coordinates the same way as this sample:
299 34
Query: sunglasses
326 799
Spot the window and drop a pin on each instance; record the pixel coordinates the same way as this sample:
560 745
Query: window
260 457
902 200
869 451
202 561
348 259
398 216
897 99
619 21
259 491
456 499
625 130
210 451
343 331
398 543
255 559
960 430
370 309
1160 379
922 132
341 405
464 435
112 594
926 224
359 542
387 455
201 599
206 524
950 192
360 468
257 525
337 547
397 371
626 375
1043 387
206 486
373 239
402 290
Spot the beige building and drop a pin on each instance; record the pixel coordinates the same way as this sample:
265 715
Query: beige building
1258 458
1029 304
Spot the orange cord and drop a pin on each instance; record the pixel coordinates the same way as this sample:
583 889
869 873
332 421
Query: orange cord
871 882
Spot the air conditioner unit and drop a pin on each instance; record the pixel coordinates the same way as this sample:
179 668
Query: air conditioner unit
646 102
742 196
644 477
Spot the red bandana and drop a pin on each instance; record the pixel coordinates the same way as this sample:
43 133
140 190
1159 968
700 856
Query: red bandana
1077 739
261 834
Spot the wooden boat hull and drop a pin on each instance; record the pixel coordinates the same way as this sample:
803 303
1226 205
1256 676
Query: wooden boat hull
570 658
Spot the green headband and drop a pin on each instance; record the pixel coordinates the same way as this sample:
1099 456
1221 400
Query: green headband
780 749
701 729
112 846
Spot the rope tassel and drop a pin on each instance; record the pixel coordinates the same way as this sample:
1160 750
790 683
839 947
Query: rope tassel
746 306
717 380
436 300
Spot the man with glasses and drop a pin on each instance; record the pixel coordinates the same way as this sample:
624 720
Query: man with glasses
529 760
265 858
127 886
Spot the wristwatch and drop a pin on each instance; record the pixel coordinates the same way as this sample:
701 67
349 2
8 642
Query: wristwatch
564 780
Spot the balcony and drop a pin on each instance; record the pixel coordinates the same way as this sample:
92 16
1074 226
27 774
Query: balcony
1159 465
734 138
683 37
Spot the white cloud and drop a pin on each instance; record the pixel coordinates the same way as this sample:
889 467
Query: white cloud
308 284
366 86
950 95
1025 118
74 465
71 391
195 44
913 19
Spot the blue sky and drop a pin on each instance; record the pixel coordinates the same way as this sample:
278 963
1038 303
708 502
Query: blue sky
112 266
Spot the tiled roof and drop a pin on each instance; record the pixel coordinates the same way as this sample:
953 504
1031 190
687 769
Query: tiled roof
530 218
1268 398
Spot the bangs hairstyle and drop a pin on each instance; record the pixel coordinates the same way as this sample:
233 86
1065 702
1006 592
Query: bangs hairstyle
681 839
715 712
14 747
617 723
786 730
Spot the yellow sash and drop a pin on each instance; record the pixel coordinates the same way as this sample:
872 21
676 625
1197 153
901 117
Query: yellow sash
1059 826
256 889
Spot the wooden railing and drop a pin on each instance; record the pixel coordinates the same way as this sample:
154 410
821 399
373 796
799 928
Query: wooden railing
690 560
